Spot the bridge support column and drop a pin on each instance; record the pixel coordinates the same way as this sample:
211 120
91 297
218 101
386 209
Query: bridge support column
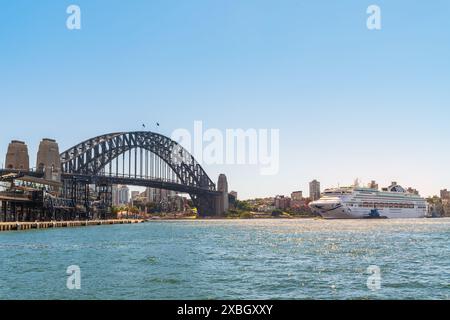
214 205
222 199
206 205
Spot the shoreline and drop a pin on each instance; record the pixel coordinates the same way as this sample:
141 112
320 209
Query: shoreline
195 218
20 226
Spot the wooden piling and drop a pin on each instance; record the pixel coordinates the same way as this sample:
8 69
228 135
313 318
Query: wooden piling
20 226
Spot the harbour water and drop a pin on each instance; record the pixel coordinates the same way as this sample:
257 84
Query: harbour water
231 259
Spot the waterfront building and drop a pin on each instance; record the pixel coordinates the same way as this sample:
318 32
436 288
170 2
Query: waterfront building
115 198
178 203
262 204
163 200
120 195
158 195
297 201
373 185
232 199
314 190
413 191
282 202
124 195
445 198
297 196
446 208
266 208
150 194
135 195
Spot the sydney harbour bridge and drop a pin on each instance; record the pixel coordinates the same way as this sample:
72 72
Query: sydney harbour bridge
142 158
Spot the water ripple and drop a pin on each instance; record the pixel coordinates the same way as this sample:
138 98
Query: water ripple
231 259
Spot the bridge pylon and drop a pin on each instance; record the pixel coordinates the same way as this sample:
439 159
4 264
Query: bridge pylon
216 204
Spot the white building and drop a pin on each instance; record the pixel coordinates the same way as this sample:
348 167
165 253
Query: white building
120 195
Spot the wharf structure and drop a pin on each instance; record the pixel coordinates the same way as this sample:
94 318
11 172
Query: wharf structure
16 226
77 184
31 195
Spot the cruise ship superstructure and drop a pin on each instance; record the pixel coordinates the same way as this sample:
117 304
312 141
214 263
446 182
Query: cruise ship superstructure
359 202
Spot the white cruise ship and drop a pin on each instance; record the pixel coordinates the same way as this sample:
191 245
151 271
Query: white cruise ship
358 203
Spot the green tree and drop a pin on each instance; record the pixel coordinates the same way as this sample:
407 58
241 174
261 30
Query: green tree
434 200
243 205
277 213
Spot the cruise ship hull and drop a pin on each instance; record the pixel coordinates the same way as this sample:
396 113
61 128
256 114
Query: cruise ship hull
341 213
366 203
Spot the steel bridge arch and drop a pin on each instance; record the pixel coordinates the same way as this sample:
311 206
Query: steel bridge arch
90 157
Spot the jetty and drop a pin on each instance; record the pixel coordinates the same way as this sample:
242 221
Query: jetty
17 226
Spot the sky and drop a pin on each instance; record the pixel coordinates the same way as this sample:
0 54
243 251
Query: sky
349 102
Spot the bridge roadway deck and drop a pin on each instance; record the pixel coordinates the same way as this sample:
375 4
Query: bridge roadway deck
122 180
141 182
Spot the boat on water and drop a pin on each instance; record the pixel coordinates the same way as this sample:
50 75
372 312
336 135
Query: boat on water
366 203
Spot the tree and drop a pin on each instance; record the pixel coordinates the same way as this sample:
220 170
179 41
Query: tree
434 200
115 210
277 213
134 210
151 207
243 205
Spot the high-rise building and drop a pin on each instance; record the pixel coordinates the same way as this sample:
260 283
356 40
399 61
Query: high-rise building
297 196
115 197
150 194
282 202
124 195
314 190
232 198
159 195
445 194
297 200
120 195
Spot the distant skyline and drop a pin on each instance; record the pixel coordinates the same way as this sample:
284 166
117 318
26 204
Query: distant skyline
349 102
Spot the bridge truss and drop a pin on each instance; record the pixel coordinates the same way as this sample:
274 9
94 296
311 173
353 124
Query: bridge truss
140 158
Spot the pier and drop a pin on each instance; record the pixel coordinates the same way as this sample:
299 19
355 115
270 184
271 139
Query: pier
78 184
17 226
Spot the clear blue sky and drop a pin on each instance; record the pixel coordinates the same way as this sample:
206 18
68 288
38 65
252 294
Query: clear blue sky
349 102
